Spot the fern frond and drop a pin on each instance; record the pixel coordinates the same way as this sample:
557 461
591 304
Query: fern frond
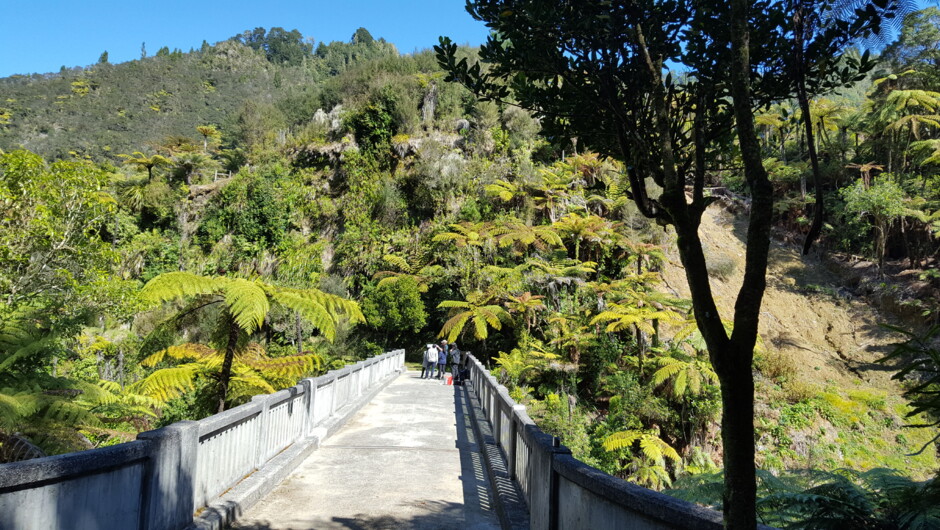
68 413
168 383
454 326
670 368
621 440
188 350
397 261
247 302
176 285
248 384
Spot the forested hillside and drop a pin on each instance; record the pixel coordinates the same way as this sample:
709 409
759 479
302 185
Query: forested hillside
187 230
258 81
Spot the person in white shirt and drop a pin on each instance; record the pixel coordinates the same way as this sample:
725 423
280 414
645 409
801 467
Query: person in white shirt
430 360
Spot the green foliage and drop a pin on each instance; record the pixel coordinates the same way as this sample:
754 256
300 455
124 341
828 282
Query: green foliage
51 236
812 499
395 310
278 45
883 201
248 209
920 358
476 310
248 301
245 306
461 220
373 127
253 372
648 467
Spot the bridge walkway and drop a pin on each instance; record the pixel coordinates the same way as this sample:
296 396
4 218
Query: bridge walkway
408 459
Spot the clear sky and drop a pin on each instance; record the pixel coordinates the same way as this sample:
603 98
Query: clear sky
42 35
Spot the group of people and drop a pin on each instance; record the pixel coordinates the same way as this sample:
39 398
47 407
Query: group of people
445 357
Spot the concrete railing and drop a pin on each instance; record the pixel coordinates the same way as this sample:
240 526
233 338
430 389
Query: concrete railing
160 480
563 492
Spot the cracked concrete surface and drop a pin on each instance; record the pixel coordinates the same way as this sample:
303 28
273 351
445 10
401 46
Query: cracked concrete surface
407 460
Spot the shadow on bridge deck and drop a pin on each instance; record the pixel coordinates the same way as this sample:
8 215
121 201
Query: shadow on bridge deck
408 459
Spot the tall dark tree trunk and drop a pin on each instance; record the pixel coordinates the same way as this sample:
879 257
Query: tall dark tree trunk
737 438
799 30
732 359
226 374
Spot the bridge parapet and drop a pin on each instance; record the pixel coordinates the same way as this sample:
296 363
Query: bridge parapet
562 492
160 480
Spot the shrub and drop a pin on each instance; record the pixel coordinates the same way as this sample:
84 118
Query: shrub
719 266
776 365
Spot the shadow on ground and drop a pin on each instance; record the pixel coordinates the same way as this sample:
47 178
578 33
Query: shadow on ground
442 515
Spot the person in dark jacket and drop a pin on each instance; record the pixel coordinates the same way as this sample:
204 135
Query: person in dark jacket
443 353
456 361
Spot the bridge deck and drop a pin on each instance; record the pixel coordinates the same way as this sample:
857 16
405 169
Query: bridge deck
408 459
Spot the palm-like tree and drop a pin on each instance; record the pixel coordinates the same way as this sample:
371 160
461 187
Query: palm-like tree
927 152
649 451
526 305
530 356
553 191
521 235
207 131
143 161
467 234
558 275
897 116
188 165
573 334
685 372
423 273
641 311
252 371
503 190
41 413
775 120
580 228
620 288
477 309
245 305
865 171
472 238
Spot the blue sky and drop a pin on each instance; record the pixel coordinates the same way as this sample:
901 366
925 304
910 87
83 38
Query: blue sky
42 35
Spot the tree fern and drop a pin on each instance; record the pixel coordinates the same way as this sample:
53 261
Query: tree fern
647 467
687 373
177 285
247 304
168 383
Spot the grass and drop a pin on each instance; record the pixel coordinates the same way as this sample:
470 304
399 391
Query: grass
859 428
720 266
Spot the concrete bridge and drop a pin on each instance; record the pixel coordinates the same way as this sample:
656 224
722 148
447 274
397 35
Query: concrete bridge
367 447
